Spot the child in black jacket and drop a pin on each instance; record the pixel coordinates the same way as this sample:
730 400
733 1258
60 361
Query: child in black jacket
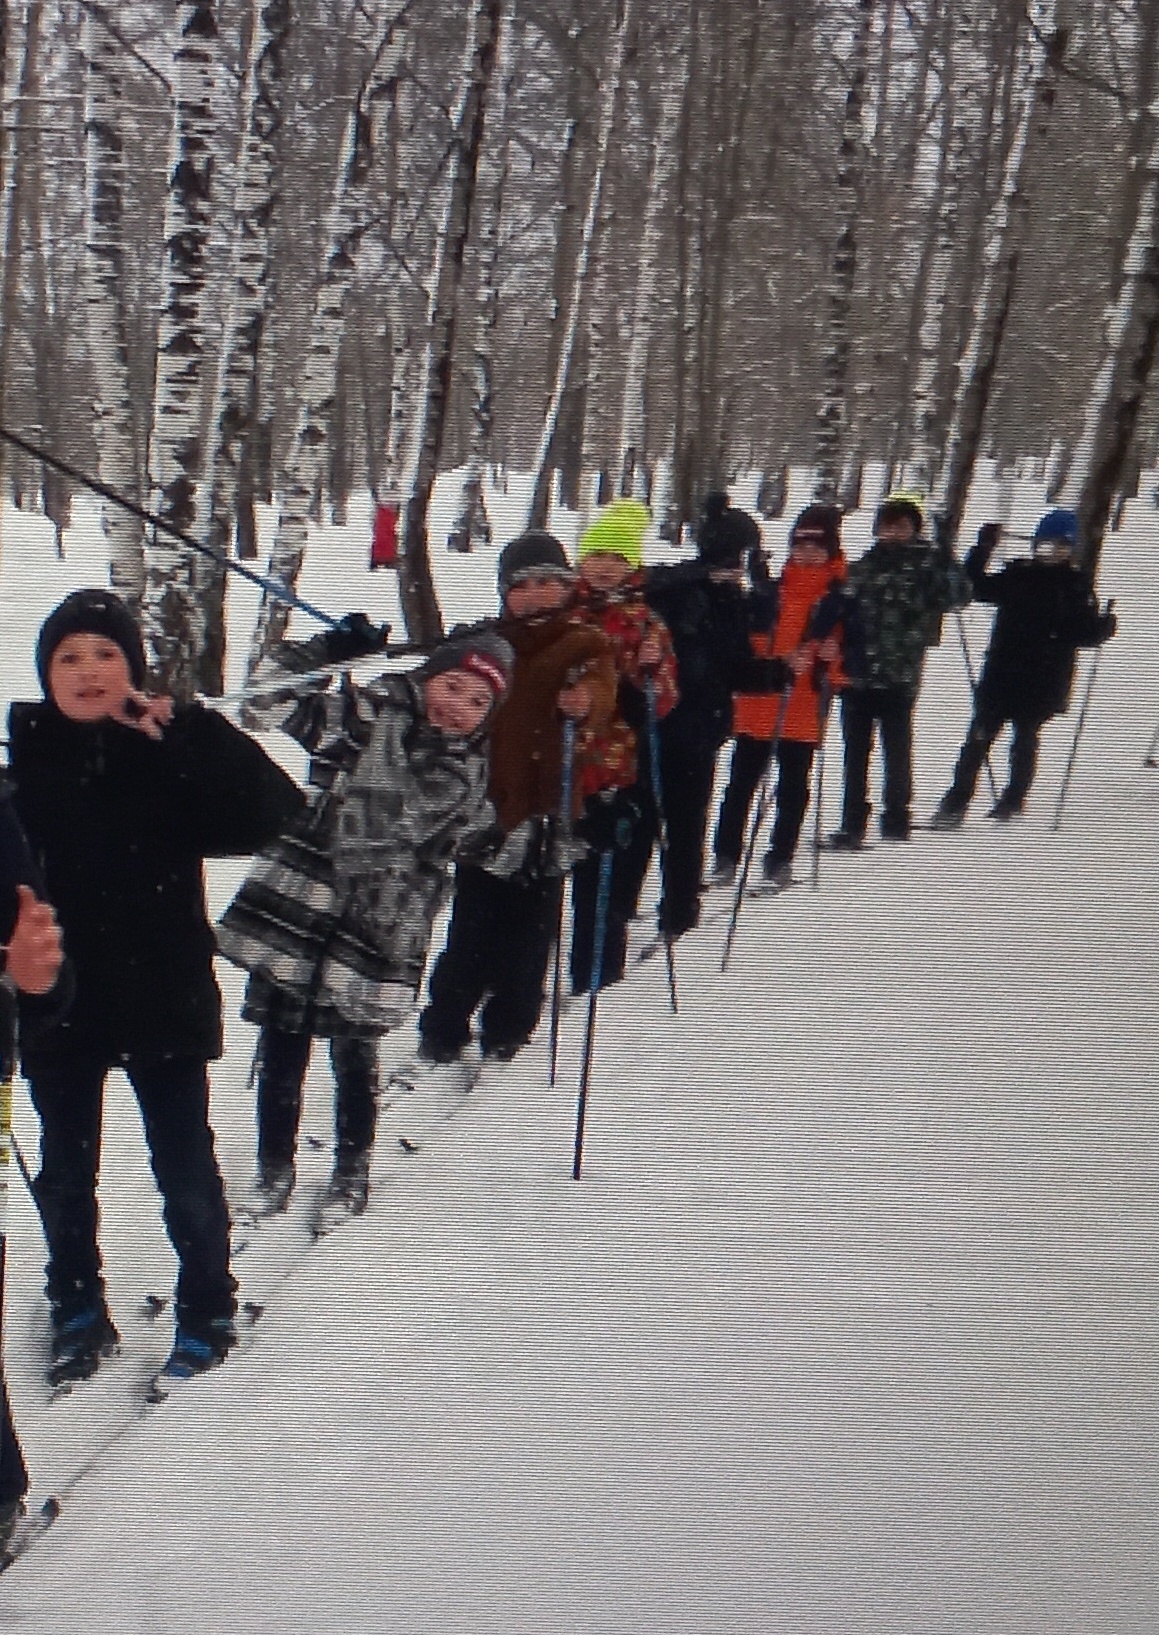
122 796
1046 610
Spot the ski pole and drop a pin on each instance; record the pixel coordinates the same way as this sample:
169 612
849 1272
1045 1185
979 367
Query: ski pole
566 787
661 823
973 680
603 897
824 702
758 820
1074 748
1149 758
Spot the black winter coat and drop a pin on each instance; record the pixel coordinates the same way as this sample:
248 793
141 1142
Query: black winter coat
119 824
17 868
1045 611
710 624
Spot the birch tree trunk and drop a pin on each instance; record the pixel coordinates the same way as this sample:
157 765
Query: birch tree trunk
609 110
832 416
1005 231
398 423
1120 385
12 220
173 621
420 603
471 520
118 437
305 461
236 391
631 453
685 298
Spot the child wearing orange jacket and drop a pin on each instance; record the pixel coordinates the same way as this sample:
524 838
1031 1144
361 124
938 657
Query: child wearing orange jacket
815 563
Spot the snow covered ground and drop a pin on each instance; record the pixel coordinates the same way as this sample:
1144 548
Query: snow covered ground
850 1326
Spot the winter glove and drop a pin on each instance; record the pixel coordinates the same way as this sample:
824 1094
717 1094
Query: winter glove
353 637
481 846
772 675
758 566
608 820
988 535
1106 627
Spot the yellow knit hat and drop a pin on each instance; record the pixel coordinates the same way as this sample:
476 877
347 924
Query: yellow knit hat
618 531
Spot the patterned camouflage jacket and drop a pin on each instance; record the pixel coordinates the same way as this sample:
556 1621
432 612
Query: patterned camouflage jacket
890 606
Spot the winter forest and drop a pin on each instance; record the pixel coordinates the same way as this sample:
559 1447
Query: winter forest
266 251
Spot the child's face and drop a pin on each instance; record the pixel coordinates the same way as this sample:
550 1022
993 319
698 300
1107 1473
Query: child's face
538 593
809 553
605 571
457 702
88 677
900 531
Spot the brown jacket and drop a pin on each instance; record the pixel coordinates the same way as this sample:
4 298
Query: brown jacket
527 734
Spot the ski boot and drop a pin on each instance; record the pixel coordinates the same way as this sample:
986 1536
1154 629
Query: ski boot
79 1346
345 1196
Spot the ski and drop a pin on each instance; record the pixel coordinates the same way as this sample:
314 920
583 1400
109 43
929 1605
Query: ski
428 1095
28 1531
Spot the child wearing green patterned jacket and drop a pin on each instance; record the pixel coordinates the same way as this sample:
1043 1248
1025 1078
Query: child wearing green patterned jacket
890 606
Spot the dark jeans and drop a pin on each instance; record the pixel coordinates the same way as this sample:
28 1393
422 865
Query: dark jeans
750 758
282 1062
688 771
984 728
630 859
892 712
13 1470
498 946
173 1095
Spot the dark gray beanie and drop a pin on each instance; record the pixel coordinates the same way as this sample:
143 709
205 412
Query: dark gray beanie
536 552
91 613
482 653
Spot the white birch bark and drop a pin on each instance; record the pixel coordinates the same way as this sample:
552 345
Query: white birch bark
12 215
396 457
1004 235
417 595
832 415
348 209
104 287
235 393
609 110
172 619
631 452
471 519
1120 383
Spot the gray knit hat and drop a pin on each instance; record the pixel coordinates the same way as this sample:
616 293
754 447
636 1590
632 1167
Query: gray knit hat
480 652
536 552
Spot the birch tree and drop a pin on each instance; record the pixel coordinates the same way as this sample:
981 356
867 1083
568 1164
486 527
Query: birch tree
832 416
417 594
114 421
345 227
609 110
471 519
236 392
13 211
172 618
1005 231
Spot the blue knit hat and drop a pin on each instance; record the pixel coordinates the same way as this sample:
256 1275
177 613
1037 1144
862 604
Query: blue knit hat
1058 526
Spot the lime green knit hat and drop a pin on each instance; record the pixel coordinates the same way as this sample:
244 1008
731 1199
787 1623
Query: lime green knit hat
618 531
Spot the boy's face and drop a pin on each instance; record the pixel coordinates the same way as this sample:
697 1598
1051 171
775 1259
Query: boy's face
88 678
457 702
538 593
1053 550
809 553
898 531
605 571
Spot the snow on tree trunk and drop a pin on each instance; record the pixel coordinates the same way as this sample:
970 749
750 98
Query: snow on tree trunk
963 107
1121 382
832 415
631 453
172 619
609 110
20 118
1005 232
471 519
117 436
417 595
235 395
350 206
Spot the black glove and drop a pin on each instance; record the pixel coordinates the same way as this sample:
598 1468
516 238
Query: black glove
480 846
1106 627
353 637
772 675
988 535
758 566
608 820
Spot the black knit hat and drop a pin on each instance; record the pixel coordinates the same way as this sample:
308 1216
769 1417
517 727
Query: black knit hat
536 552
899 510
822 525
91 613
725 535
481 652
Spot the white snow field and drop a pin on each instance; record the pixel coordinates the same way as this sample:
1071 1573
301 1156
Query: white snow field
849 1328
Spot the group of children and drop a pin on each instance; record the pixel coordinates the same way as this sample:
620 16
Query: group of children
521 752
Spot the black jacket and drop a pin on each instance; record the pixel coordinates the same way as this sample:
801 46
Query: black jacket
710 624
119 825
1045 611
17 868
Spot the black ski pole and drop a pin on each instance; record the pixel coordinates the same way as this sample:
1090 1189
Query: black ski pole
603 898
566 788
972 677
755 829
824 701
661 824
13 1454
1149 758
1078 731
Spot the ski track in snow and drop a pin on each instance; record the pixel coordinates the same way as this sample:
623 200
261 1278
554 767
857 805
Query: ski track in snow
850 1325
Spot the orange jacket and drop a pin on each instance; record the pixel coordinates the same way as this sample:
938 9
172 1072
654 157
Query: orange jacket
755 714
